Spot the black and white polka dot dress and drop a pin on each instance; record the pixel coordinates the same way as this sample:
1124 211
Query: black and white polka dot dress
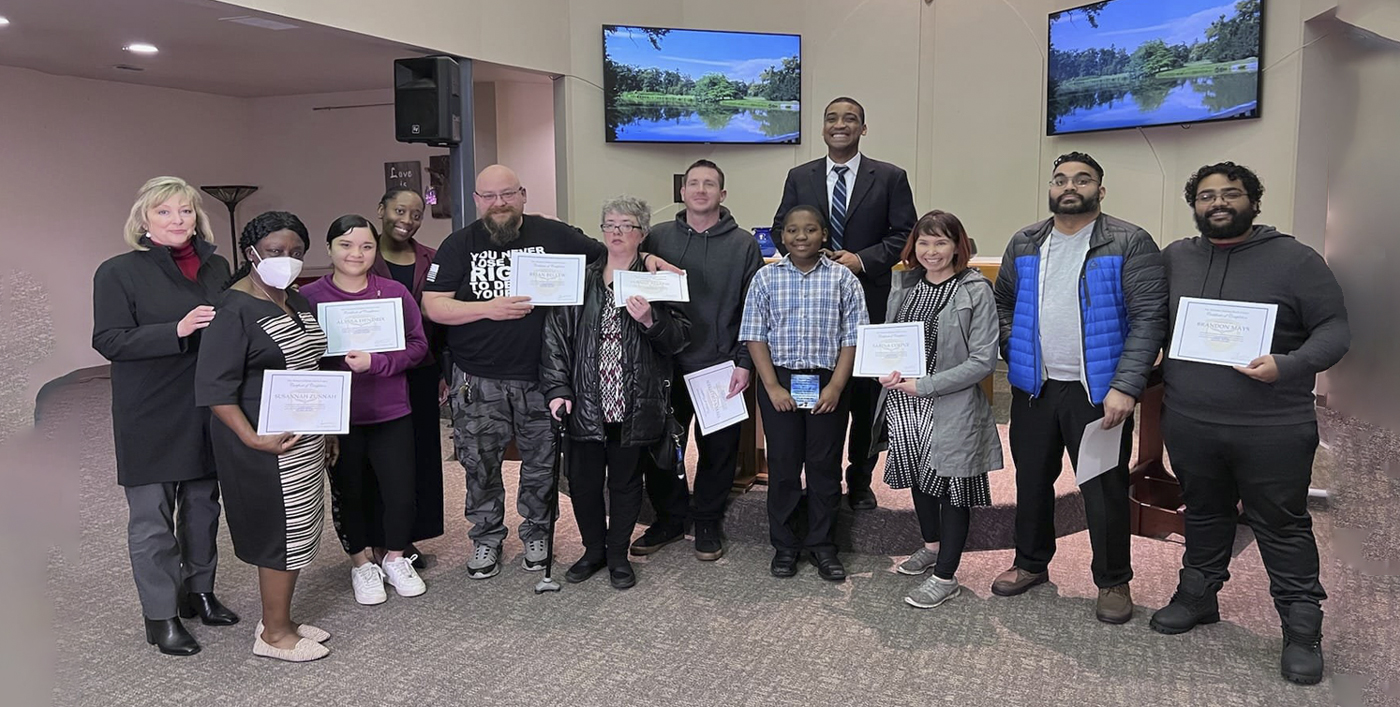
910 418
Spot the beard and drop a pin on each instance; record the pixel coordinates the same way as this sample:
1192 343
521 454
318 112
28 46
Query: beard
502 232
1239 224
1087 204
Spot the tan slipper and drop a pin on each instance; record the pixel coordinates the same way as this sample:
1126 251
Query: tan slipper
306 650
318 635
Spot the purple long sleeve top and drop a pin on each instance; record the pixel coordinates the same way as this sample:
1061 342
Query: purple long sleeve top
381 393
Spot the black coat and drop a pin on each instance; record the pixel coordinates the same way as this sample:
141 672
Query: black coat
569 363
137 300
878 222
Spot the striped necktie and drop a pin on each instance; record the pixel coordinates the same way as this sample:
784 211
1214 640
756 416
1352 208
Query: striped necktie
838 208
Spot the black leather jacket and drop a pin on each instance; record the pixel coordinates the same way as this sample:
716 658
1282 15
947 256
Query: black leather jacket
569 364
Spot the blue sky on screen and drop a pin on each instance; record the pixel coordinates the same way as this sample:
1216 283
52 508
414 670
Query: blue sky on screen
1128 23
737 55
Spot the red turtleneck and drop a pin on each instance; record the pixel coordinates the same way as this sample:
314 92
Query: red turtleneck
186 259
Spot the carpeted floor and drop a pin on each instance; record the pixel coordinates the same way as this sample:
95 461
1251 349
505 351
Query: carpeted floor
690 633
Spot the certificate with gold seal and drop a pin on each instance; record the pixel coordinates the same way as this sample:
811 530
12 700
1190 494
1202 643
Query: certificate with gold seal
882 349
1222 332
305 402
371 325
548 280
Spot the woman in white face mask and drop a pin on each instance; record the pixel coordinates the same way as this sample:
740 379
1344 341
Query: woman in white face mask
272 484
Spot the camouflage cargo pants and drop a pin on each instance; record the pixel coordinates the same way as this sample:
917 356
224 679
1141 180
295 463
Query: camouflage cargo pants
486 414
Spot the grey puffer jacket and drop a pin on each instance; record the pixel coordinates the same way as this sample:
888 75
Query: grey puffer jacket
965 436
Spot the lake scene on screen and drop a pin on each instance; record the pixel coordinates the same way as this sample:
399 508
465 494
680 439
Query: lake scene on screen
1135 63
674 85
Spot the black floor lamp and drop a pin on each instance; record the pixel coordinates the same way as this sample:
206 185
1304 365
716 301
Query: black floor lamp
231 194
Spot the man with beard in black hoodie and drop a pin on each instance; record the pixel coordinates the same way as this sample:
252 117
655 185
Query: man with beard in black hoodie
719 259
1249 433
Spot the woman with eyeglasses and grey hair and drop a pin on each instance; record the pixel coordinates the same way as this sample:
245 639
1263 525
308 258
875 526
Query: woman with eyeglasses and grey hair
606 370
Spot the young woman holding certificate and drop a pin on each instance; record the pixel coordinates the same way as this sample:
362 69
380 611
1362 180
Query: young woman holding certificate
609 368
380 443
273 498
942 437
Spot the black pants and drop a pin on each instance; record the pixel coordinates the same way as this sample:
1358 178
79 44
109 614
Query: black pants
427 459
605 528
795 440
383 452
1269 468
864 393
714 473
1041 429
946 524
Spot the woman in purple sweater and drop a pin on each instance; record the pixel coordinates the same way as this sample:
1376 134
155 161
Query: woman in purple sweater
381 430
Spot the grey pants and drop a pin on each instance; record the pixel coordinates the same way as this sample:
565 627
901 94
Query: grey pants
486 414
171 533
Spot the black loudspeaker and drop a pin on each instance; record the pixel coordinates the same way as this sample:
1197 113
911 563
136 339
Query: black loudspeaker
427 100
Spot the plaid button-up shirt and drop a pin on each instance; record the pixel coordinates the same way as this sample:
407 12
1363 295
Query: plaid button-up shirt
805 318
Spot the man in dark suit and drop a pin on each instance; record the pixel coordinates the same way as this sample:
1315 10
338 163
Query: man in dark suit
870 209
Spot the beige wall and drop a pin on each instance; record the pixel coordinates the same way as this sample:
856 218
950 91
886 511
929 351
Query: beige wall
525 139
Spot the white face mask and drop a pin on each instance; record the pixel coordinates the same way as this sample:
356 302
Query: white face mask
277 272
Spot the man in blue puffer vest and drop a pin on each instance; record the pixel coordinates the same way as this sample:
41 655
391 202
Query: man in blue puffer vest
1082 299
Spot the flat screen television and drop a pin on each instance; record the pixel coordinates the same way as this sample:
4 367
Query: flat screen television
701 86
1134 63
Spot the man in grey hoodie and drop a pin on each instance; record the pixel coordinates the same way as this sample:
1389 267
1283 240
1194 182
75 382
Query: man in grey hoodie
719 259
1248 433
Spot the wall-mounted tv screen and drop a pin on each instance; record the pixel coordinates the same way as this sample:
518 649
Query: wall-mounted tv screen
688 86
1135 63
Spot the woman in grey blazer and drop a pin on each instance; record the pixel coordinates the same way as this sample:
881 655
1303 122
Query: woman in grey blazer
941 435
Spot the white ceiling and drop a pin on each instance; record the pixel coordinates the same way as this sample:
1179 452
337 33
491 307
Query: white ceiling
202 50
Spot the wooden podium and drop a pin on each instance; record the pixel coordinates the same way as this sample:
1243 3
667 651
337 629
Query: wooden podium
1154 496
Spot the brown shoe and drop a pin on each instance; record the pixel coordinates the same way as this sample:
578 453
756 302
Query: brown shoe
1016 581
1115 605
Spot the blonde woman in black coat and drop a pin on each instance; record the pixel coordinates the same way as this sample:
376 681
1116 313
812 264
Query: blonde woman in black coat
149 307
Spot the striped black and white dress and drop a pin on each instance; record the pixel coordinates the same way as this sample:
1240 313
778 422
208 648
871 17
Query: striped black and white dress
910 418
274 503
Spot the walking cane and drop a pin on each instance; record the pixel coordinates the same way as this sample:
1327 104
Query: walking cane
548 584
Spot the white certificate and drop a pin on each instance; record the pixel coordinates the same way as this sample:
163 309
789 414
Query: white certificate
548 280
364 325
305 402
1098 450
709 391
884 348
655 287
1222 332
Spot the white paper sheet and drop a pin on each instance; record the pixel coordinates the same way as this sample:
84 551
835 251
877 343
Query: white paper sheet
654 287
708 390
305 402
884 348
1098 450
1222 332
373 325
548 280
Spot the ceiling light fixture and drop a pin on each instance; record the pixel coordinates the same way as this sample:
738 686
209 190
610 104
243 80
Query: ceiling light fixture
140 48
4 22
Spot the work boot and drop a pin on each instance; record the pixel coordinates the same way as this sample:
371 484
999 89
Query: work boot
1193 603
1301 661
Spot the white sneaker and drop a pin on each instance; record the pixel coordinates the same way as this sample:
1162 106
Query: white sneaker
368 581
406 581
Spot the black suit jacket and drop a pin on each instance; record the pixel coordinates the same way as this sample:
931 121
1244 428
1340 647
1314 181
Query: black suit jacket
878 221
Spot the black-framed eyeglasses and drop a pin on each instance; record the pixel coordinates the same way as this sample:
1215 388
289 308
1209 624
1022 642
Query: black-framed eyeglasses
622 228
504 195
1206 197
1080 180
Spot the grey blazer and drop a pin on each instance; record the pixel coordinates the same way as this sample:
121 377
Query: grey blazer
965 441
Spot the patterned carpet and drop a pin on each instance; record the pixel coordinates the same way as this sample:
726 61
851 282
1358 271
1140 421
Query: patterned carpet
690 633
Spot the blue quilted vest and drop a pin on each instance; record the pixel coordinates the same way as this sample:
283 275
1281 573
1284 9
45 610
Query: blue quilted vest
1101 309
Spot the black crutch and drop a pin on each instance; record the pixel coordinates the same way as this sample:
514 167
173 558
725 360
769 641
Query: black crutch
548 584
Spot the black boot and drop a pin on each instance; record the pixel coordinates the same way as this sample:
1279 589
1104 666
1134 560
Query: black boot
211 611
1193 603
170 636
1302 644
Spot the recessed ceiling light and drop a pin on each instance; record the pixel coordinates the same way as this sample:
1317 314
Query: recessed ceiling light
140 48
4 22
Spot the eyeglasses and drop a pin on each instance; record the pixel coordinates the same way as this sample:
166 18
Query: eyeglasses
505 195
622 228
1080 180
1207 197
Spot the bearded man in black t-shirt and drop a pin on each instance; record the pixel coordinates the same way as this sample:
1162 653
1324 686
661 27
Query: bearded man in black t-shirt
494 343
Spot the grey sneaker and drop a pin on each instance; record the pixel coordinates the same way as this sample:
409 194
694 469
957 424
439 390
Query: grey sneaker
485 562
536 555
932 592
919 562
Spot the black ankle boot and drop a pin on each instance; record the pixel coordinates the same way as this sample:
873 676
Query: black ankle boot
210 610
1193 603
170 636
1301 661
